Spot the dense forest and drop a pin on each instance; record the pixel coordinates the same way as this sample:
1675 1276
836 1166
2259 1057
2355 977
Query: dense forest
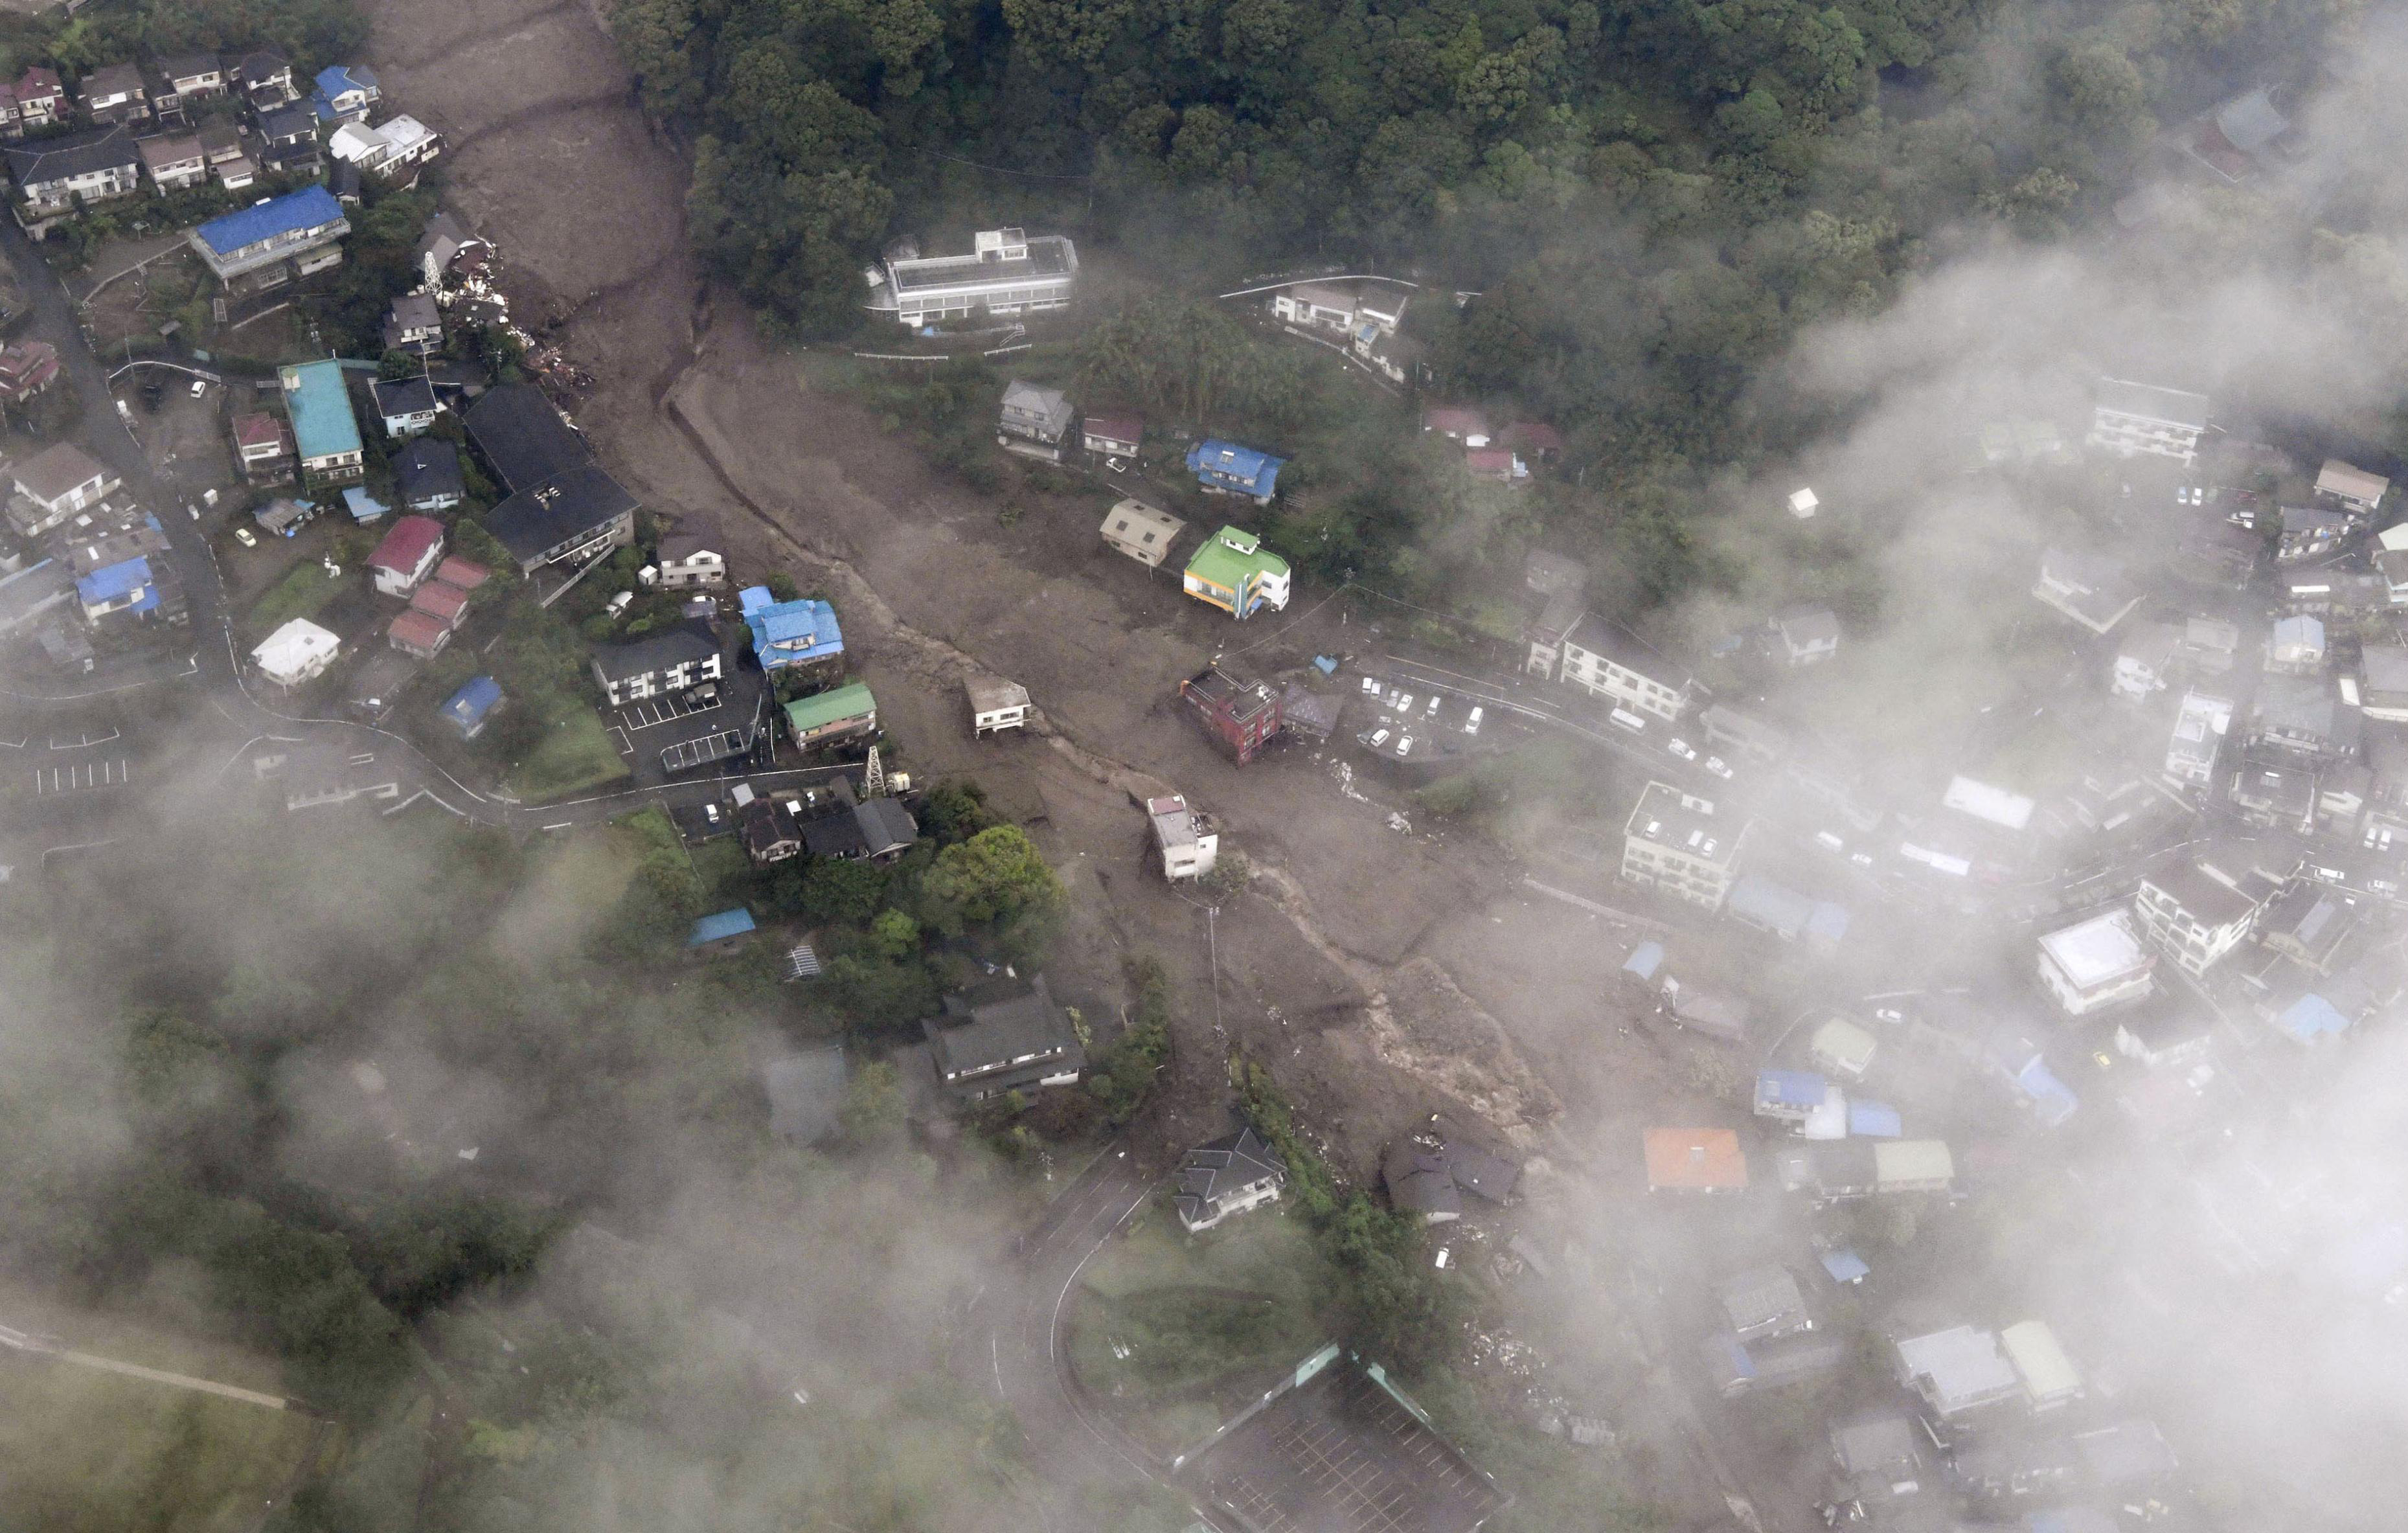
1651 196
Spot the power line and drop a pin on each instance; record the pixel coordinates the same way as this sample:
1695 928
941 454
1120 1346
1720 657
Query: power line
1001 170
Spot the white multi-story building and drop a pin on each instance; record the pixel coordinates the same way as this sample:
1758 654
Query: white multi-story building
2195 914
2131 419
1673 843
2095 963
1188 844
1006 272
2198 734
1609 660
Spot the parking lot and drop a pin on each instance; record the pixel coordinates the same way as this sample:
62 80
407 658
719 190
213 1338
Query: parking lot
651 713
665 738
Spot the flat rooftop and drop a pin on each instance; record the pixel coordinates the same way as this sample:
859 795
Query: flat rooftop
1342 1453
2097 950
1048 256
1668 817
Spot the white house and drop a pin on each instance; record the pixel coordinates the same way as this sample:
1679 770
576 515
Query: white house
2196 913
675 659
1006 272
57 482
1188 845
295 652
1808 636
691 559
1610 661
996 706
2198 735
2144 658
407 555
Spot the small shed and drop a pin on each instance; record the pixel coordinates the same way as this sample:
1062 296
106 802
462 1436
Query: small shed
996 706
471 708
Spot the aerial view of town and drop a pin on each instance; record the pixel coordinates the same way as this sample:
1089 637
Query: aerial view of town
1213 766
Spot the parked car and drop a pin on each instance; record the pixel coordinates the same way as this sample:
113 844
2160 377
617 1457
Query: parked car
1628 719
1682 749
200 387
1378 738
242 535
1472 723
1715 766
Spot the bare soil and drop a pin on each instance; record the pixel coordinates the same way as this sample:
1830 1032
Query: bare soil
1382 974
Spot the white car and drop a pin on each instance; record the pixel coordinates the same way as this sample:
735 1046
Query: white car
1378 738
1682 749
1715 764
1405 703
1372 686
1405 746
242 535
1433 708
1472 723
1862 859
200 387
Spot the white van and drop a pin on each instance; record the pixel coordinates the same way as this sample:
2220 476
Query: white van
1628 719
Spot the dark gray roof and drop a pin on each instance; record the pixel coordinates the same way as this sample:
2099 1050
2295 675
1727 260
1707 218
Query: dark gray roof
1418 1182
294 123
2126 1453
178 66
76 154
838 833
806 1094
522 436
1460 1165
886 826
1876 1445
2304 704
1229 1164
410 396
766 824
557 510
986 1029
1602 637
426 469
1763 1301
655 651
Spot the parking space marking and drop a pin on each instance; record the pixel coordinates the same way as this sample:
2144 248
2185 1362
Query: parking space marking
82 775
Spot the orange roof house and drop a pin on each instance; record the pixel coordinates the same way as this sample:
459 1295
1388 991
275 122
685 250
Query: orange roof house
1695 1160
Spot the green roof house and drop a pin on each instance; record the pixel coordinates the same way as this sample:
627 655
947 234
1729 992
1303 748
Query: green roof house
1235 573
825 718
324 431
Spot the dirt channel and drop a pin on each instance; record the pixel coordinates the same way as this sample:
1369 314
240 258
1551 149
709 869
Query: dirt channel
1384 974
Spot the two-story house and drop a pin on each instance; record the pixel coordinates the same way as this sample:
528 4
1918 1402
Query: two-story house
115 93
2144 659
668 660
427 475
406 406
1806 636
287 140
407 555
1035 422
302 227
691 557
324 431
55 483
56 174
1610 661
2303 715
174 163
1226 1177
1005 1035
414 323
185 79
2198 736
2090 590
345 92
389 151
266 79
263 447
41 98
563 506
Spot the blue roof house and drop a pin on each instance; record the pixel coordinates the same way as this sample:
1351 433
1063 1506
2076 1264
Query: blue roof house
1873 1120
345 92
325 433
290 227
126 586
1788 1094
718 933
2052 1100
2312 1017
1644 960
1225 468
786 634
469 709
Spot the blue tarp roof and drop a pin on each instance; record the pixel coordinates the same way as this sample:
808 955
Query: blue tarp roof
365 507
1844 1266
1874 1120
303 209
464 709
755 597
1217 461
788 633
2312 1017
1790 1088
2052 1100
1769 905
110 581
726 924
1644 960
333 80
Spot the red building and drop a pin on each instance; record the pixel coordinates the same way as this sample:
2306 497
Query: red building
26 368
1242 715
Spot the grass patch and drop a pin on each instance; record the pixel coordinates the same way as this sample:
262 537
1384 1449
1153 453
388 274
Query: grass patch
1169 1324
303 592
89 1449
723 868
573 755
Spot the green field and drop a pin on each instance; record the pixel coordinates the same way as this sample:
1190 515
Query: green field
1168 1323
303 592
91 1450
575 755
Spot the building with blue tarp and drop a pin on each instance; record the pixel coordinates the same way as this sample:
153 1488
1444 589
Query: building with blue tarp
1225 468
1874 1120
786 634
279 228
126 586
720 932
469 709
1788 1094
2312 1017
